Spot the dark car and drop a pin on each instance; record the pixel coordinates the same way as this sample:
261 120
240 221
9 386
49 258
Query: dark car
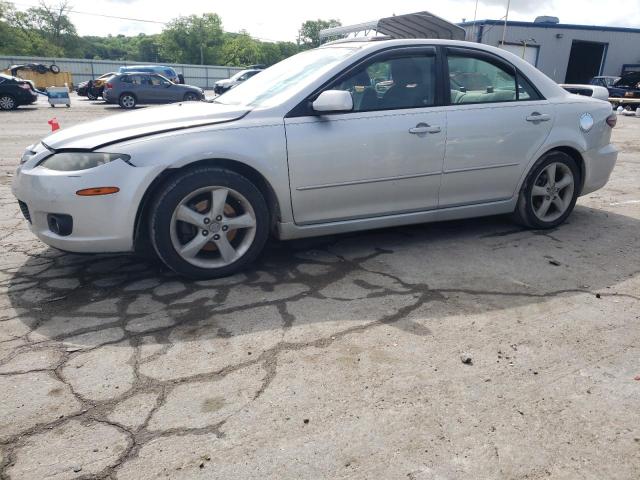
131 89
627 87
15 92
93 88
604 81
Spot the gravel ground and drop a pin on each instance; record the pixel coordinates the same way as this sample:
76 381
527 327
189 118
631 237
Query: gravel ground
460 350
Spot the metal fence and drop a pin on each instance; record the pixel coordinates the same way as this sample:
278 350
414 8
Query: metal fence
203 76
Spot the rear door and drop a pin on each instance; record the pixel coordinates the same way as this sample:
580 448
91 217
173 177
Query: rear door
496 122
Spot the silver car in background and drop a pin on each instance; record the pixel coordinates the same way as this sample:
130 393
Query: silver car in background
222 86
131 89
353 135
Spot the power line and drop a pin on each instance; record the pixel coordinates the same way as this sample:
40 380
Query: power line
131 19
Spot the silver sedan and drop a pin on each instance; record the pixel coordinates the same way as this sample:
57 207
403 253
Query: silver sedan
350 136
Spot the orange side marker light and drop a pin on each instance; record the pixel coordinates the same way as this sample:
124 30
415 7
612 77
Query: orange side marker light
93 192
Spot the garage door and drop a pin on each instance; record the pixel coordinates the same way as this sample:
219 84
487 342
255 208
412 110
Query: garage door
529 53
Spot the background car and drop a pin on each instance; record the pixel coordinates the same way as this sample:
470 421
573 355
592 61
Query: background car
593 91
604 81
131 89
15 92
163 70
222 86
628 86
93 88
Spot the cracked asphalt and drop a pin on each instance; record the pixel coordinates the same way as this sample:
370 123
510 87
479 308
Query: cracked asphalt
334 357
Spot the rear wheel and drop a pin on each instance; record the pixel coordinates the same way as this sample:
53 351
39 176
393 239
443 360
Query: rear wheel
550 191
127 100
91 95
7 102
209 222
190 97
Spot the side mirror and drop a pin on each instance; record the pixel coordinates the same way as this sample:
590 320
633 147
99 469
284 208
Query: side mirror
333 101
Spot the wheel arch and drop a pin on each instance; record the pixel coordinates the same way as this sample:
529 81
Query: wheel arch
576 155
141 241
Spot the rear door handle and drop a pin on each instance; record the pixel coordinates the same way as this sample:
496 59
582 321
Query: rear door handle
536 117
423 128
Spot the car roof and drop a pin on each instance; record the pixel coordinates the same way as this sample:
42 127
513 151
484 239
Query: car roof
153 67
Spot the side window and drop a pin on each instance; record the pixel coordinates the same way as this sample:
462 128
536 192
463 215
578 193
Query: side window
135 79
392 83
473 80
526 90
126 79
155 80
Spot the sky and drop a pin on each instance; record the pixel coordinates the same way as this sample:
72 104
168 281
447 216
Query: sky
280 20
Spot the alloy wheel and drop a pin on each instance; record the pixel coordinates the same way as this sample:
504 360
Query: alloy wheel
552 192
128 101
213 227
7 103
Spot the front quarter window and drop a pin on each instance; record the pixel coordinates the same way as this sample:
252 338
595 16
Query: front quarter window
277 83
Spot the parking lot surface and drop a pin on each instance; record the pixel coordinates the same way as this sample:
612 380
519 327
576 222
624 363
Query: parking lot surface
461 350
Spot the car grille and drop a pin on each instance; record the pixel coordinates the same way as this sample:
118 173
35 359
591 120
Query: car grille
25 210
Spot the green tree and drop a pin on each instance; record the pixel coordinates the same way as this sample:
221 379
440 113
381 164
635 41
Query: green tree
193 39
240 50
309 33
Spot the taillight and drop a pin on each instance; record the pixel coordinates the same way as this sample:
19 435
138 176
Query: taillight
612 120
25 85
108 85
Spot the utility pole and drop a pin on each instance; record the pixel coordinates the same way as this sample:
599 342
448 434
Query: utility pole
475 17
506 18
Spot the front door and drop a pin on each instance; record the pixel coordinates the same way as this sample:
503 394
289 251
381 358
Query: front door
496 123
384 157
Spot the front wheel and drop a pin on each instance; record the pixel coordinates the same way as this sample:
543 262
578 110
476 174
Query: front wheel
209 222
550 191
190 97
127 100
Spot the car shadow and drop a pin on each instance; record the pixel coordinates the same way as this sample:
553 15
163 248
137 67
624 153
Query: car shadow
376 276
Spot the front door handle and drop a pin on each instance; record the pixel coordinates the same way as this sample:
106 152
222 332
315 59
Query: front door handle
422 128
536 117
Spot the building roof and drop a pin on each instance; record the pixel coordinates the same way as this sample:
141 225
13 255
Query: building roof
412 25
559 26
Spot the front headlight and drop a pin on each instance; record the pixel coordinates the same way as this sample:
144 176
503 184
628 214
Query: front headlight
70 161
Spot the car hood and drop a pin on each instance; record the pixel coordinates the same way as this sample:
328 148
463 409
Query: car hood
143 122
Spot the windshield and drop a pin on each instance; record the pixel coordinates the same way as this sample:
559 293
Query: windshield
277 83
239 74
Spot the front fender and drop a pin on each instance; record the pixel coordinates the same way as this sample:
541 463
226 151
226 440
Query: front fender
259 146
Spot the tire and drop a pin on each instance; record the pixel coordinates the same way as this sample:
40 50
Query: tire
7 102
206 244
544 203
54 68
127 100
91 95
190 97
